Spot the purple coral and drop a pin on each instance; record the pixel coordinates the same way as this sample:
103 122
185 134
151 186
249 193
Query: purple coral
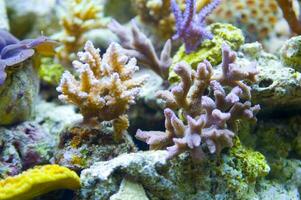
210 118
191 26
14 51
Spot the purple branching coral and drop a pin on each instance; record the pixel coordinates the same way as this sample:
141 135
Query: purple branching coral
210 118
136 44
14 51
191 26
105 87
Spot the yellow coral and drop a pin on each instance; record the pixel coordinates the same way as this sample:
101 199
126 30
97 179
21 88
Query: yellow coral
79 17
38 181
106 87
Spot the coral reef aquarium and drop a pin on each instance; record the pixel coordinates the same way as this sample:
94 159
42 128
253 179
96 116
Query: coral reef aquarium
150 99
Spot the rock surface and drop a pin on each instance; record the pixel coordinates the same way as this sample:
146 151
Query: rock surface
278 87
33 142
176 179
129 191
18 94
82 145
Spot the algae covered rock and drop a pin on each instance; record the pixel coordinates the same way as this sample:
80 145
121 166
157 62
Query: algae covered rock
290 53
33 142
30 16
148 111
240 171
18 94
277 87
180 178
210 49
3 16
81 145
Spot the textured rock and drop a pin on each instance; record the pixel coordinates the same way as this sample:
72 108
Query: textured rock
176 179
147 112
129 191
278 87
290 53
31 143
18 94
82 145
3 16
31 16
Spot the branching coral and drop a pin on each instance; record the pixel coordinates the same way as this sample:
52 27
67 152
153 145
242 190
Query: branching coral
210 121
105 87
38 181
136 44
157 14
190 26
14 51
79 17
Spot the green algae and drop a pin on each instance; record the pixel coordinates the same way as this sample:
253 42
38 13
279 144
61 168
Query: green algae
241 168
290 53
50 72
210 49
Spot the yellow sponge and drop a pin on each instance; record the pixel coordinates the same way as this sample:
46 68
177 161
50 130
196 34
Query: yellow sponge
37 181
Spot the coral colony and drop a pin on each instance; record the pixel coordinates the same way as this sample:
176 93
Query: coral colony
190 26
136 44
209 120
140 99
106 87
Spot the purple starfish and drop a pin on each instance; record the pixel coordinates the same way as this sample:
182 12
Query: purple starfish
191 26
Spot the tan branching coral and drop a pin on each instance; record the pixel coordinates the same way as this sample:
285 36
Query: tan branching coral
136 44
105 88
210 118
77 18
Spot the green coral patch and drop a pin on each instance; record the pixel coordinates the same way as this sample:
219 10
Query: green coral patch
210 49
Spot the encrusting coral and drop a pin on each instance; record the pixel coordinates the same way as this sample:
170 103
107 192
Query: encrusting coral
136 44
38 181
191 26
14 51
210 121
79 17
105 88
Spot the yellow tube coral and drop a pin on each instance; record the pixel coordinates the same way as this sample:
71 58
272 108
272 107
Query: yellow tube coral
37 181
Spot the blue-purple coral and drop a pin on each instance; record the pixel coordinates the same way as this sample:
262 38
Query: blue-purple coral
14 51
191 26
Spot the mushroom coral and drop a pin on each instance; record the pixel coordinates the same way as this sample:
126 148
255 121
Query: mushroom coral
14 51
204 119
